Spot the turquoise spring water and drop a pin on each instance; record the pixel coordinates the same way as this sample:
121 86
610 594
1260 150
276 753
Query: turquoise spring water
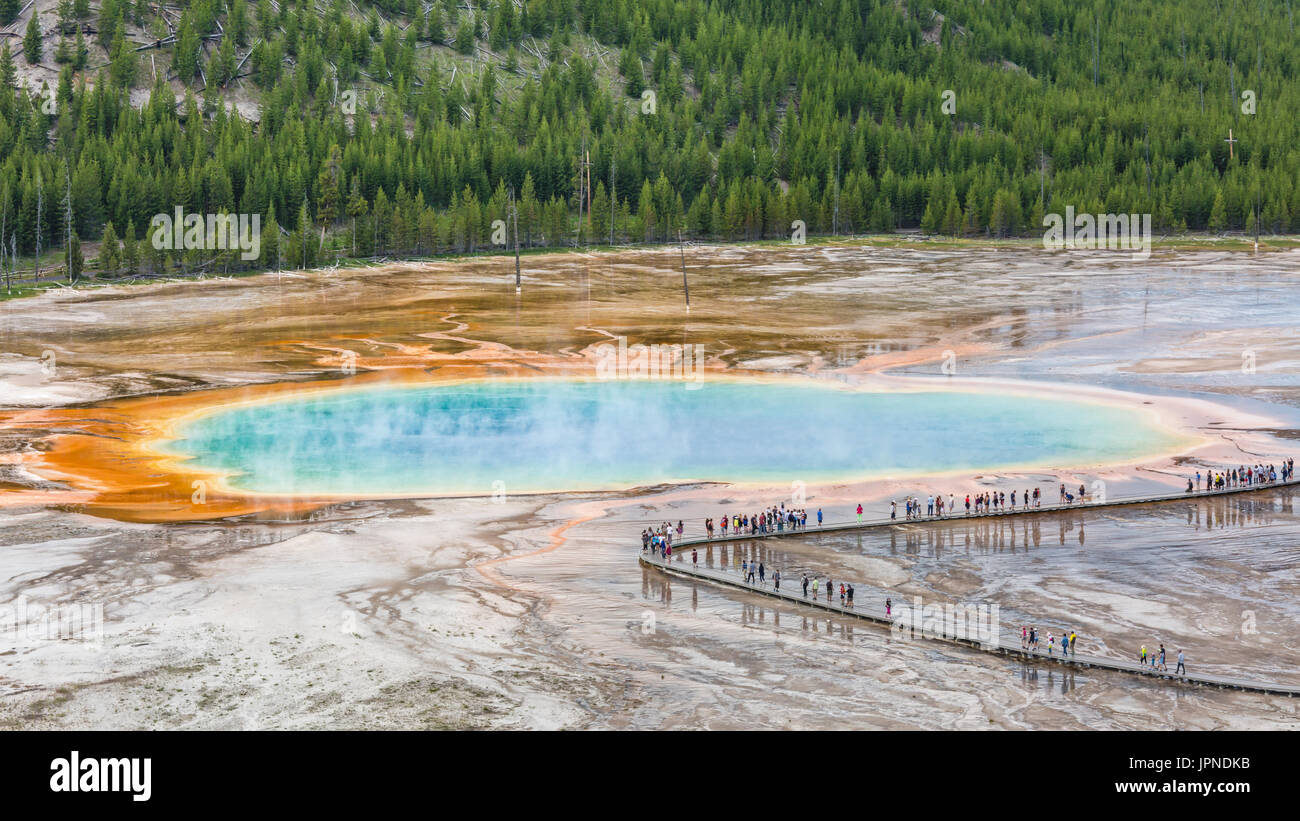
512 436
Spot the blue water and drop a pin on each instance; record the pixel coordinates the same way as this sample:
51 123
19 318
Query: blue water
510 436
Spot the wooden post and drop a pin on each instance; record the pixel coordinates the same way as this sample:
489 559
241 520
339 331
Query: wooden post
686 288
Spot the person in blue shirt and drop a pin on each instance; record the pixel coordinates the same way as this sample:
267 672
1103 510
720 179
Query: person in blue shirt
819 517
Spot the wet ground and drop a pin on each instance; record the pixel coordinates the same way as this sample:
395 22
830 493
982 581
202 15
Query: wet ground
531 611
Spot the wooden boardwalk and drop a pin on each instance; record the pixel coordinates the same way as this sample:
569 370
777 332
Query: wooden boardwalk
1121 501
1003 643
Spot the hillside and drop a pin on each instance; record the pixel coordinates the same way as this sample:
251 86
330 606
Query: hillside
400 128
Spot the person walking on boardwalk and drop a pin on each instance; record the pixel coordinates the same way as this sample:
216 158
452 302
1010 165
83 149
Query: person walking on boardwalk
753 568
1033 638
744 568
819 517
889 608
830 590
695 558
814 584
1073 636
859 513
1180 669
850 595
762 573
841 594
776 581
1142 657
1161 665
805 585
1024 637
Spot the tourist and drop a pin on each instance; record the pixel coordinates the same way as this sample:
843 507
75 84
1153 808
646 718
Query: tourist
805 585
1062 492
819 517
744 568
762 573
1024 637
695 558
1180 669
841 594
1142 657
1162 659
776 581
1073 636
1051 642
850 595
814 586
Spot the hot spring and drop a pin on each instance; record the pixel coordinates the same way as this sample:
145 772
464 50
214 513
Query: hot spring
528 435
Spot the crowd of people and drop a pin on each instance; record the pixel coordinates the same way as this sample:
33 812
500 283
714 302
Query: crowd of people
775 519
659 540
1243 476
1031 640
1156 661
755 573
778 518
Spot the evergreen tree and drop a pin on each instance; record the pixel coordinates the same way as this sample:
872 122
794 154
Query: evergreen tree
109 256
186 59
130 252
34 40
123 59
1218 221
